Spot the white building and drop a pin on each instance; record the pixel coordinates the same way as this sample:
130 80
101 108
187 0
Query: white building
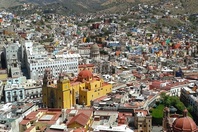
12 114
189 96
176 90
17 89
84 52
14 90
13 57
38 59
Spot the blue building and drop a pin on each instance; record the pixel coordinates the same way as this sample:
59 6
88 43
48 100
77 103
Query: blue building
14 89
113 44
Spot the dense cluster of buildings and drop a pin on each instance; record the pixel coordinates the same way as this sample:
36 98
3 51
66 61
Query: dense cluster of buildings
102 76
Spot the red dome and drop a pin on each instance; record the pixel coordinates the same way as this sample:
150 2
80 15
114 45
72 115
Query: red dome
84 74
184 124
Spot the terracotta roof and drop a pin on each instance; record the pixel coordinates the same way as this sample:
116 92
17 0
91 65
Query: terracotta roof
192 77
85 73
81 119
101 98
85 65
31 116
185 124
24 122
176 46
145 112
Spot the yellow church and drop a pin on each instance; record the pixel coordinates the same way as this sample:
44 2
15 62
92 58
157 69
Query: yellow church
66 93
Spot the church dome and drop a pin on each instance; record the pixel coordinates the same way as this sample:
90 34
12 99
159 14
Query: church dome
94 47
184 123
85 74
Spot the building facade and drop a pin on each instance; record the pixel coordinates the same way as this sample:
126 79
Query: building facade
143 121
38 59
190 97
84 52
69 92
13 57
13 89
90 67
32 89
17 89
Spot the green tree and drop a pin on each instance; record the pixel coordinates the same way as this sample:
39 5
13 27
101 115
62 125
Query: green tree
174 100
190 109
163 97
180 106
168 102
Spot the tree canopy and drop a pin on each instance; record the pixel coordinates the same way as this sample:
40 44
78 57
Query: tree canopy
172 101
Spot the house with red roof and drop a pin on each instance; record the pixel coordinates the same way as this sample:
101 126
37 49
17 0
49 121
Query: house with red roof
78 118
39 120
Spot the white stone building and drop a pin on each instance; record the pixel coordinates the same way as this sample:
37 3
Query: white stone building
14 90
38 59
17 89
84 52
13 56
12 114
189 96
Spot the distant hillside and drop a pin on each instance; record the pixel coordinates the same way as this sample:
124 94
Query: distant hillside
84 6
10 3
